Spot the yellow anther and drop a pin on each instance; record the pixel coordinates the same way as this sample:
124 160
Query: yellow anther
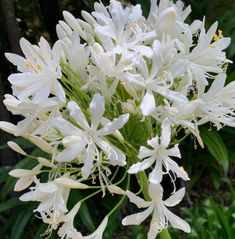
133 25
30 64
218 36
182 169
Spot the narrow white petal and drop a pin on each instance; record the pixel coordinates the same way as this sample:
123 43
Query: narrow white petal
138 201
156 175
16 147
111 127
141 166
176 221
166 133
175 198
22 183
78 115
97 108
98 233
88 163
155 191
173 166
71 152
148 103
7 127
70 183
41 143
18 173
65 127
136 219
145 152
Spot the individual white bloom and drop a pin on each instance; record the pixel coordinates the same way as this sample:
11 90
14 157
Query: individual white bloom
122 30
89 138
53 198
26 177
185 115
159 78
72 48
160 155
14 146
39 71
167 17
98 233
31 111
158 208
206 59
218 103
68 231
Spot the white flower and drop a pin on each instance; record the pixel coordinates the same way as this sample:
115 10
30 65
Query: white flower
31 111
40 71
121 30
26 177
89 137
53 197
218 103
68 231
159 78
160 155
158 208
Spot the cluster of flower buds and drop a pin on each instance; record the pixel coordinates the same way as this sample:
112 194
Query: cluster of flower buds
112 93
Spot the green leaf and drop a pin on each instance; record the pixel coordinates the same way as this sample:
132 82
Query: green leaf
21 220
11 203
216 147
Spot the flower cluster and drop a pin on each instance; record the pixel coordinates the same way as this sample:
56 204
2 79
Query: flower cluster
112 93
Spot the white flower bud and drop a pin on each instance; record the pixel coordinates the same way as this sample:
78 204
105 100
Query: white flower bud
167 19
16 147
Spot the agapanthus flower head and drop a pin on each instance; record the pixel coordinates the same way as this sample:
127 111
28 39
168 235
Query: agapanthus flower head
110 98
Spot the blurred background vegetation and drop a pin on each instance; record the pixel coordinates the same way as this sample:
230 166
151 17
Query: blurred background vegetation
209 205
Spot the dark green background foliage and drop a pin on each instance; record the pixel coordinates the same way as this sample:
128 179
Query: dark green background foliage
209 205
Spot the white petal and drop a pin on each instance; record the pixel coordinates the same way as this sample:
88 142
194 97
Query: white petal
18 173
155 191
145 152
88 163
136 219
71 153
41 143
78 115
138 201
167 19
166 133
175 198
23 183
16 147
176 221
148 103
7 127
173 166
97 108
115 189
98 233
174 152
70 183
66 128
141 166
111 127
156 175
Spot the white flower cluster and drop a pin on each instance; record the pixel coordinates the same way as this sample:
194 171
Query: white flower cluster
87 100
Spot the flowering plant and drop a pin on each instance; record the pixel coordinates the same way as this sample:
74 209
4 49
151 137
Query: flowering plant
110 98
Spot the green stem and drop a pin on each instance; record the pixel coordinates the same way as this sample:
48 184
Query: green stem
143 181
165 234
